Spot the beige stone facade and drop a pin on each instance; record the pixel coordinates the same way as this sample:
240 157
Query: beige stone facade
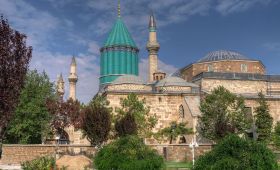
226 66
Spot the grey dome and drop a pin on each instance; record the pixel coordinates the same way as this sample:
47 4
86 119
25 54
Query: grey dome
128 79
222 55
174 81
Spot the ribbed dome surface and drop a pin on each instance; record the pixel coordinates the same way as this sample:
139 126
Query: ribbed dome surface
119 35
174 81
222 55
128 79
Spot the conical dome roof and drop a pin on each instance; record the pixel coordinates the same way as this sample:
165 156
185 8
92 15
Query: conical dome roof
119 35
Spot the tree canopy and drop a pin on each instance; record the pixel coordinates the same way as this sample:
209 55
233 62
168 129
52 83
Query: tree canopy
96 118
223 113
137 108
15 56
263 119
31 120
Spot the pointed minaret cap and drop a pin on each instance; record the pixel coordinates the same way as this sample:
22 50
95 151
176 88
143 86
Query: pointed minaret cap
73 62
152 23
60 78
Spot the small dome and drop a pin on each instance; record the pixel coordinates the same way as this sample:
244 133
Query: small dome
128 79
174 81
222 55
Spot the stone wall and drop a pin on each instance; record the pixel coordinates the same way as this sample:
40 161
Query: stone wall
16 154
164 106
180 152
223 66
274 108
235 86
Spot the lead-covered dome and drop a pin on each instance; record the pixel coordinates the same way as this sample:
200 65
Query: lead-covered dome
174 81
128 79
222 55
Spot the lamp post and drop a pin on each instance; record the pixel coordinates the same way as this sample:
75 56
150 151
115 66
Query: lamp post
57 137
193 145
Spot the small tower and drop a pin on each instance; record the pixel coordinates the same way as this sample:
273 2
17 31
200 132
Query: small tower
153 48
73 78
60 87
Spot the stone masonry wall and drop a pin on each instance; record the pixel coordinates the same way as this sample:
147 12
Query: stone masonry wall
180 152
223 66
164 106
235 86
274 108
16 154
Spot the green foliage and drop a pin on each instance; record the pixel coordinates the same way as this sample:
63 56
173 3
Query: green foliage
97 121
31 119
263 120
128 153
43 163
276 135
237 153
173 131
135 107
223 113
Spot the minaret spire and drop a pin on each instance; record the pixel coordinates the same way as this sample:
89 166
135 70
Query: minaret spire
73 78
153 48
60 87
119 8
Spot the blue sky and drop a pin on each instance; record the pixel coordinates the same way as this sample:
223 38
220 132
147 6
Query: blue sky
187 30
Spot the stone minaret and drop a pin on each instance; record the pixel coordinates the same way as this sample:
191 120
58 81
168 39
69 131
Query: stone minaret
73 78
60 87
152 47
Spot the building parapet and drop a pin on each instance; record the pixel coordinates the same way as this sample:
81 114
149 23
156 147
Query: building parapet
237 76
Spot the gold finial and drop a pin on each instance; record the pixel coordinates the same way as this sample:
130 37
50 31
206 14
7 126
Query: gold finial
119 8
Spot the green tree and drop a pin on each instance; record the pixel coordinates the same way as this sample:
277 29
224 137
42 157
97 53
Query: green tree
223 113
276 135
263 119
137 108
237 153
31 119
128 153
174 130
96 121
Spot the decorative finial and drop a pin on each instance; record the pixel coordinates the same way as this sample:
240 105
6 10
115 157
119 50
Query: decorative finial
119 8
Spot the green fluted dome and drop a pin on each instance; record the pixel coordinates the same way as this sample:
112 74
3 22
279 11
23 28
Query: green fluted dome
119 55
119 35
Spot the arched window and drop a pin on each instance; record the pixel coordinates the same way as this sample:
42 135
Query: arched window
181 112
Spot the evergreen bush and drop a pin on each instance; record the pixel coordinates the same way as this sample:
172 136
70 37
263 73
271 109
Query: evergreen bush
43 163
236 153
128 153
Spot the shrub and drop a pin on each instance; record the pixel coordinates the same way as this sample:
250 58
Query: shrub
43 163
237 153
128 153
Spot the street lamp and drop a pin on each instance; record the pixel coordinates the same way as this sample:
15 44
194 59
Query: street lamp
57 137
193 145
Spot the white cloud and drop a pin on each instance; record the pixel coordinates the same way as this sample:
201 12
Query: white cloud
226 7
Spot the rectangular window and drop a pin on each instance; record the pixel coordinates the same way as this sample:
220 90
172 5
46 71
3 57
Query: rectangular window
244 68
210 68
